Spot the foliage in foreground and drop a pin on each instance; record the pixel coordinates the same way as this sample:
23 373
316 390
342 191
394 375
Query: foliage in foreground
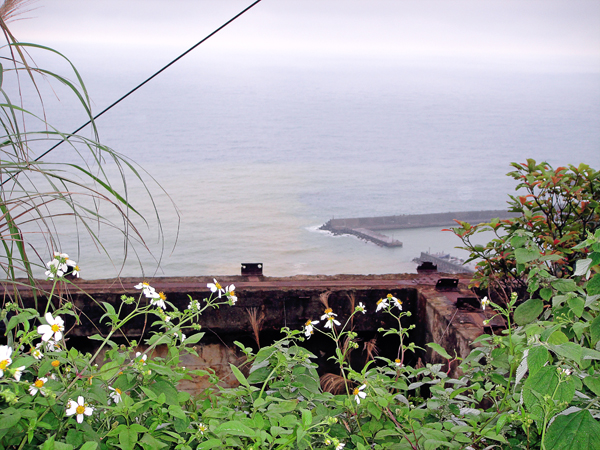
535 385
557 208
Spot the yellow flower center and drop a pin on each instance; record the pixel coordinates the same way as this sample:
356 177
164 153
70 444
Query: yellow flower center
145 284
356 391
80 409
331 318
328 311
308 323
218 286
118 391
232 293
389 296
76 268
55 363
399 301
397 361
162 295
38 383
3 364
55 328
380 300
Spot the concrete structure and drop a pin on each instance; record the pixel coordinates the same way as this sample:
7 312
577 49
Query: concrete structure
288 302
366 227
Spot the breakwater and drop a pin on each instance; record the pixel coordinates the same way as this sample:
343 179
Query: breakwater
445 263
367 227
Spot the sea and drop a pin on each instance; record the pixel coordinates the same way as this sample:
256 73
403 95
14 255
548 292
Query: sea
241 160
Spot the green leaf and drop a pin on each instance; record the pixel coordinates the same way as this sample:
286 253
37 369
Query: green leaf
557 338
374 410
89 446
546 293
260 375
149 442
593 286
524 255
582 266
176 411
239 375
22 317
595 331
128 439
593 384
9 420
306 418
193 339
439 350
565 285
573 432
576 304
283 407
536 358
62 446
163 387
211 443
235 428
529 311
569 350
545 382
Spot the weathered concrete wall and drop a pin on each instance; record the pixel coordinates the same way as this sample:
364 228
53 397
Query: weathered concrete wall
289 302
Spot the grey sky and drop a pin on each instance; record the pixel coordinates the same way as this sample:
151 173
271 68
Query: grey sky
384 29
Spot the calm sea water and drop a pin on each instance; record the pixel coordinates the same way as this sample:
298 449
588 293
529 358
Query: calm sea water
256 156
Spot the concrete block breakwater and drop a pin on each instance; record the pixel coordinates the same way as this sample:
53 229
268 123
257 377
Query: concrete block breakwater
366 227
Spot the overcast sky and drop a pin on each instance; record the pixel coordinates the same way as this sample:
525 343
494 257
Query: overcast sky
521 30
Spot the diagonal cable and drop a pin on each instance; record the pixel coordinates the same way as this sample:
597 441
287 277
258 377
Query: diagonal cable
143 83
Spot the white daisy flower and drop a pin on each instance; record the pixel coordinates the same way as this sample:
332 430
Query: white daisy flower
340 446
54 327
75 271
484 302
144 357
147 290
398 363
330 321
18 373
80 408
230 293
202 428
60 265
159 300
397 303
36 352
216 287
37 386
309 328
359 393
115 395
328 313
361 308
182 337
381 304
5 360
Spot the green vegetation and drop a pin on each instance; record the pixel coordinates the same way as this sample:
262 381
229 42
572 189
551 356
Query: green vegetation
534 385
